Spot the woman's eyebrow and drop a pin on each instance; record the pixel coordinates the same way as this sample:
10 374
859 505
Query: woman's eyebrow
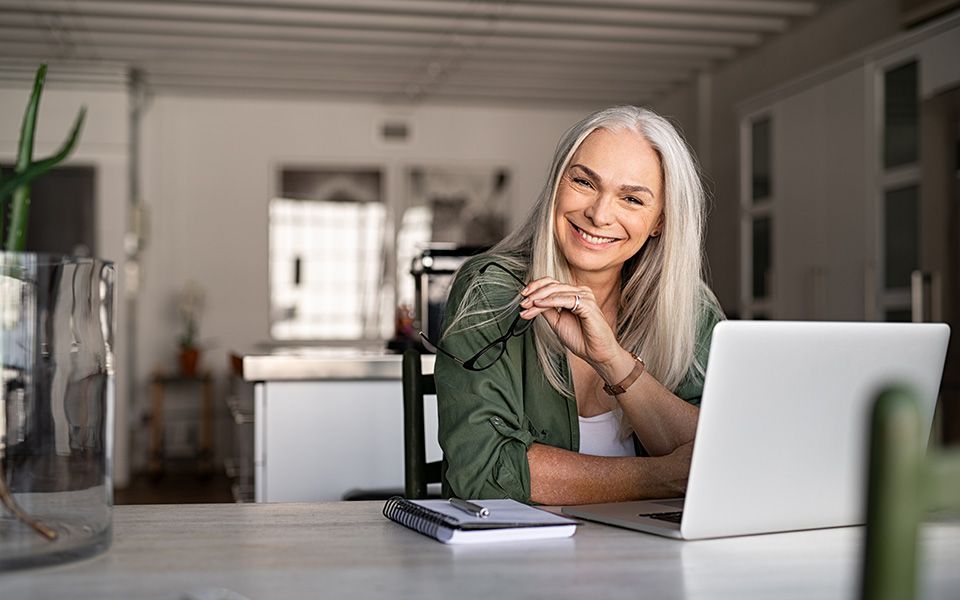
637 189
624 188
590 172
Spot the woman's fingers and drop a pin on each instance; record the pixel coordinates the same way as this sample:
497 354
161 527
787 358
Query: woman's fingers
541 289
543 286
571 301
536 284
548 294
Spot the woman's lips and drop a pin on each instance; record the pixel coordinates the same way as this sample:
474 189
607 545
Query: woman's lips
592 240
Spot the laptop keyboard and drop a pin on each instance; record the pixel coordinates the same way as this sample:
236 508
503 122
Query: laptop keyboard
673 517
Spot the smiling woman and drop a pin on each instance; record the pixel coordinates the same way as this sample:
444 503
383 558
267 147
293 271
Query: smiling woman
598 400
602 217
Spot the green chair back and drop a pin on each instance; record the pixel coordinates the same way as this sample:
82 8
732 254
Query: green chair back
904 483
417 471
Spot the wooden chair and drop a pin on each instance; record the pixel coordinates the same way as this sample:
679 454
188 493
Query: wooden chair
904 483
417 471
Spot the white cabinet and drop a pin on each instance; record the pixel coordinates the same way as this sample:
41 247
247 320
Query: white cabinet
316 440
819 249
843 196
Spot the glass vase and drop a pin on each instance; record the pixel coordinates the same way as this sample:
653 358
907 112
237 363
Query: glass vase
56 408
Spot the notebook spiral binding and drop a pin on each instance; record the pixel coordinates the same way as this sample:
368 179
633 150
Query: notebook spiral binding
416 517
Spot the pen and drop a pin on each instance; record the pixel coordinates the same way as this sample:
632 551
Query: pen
470 508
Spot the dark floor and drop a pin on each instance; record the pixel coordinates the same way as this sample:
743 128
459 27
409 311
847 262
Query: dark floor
175 488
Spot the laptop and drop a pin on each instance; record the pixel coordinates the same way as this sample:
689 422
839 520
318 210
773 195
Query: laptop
781 443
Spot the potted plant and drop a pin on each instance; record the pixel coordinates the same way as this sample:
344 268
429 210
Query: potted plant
56 381
190 305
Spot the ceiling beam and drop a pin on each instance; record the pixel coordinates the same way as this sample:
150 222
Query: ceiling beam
792 8
86 30
142 45
164 17
569 66
386 81
475 11
178 83
786 8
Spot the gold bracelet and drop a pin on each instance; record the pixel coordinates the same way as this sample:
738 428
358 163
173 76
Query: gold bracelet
616 390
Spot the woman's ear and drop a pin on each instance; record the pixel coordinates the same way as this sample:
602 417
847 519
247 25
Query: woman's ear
658 228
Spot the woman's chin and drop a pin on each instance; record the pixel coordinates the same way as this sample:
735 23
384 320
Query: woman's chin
591 264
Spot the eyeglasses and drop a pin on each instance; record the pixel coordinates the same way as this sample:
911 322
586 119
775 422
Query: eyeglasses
491 353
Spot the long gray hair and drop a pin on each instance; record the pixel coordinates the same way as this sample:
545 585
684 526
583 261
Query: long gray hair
662 289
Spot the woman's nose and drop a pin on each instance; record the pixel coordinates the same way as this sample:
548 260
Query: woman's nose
600 212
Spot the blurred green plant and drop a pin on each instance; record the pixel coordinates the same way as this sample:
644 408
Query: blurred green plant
17 186
26 170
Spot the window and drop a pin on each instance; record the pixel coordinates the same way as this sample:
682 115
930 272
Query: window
455 205
412 237
326 255
761 257
756 217
760 160
62 211
900 116
899 199
901 232
340 253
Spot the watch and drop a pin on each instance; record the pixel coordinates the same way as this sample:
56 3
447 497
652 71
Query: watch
635 373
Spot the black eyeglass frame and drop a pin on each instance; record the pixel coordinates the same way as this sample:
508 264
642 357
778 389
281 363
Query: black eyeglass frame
471 363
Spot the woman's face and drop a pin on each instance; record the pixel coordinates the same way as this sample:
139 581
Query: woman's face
609 201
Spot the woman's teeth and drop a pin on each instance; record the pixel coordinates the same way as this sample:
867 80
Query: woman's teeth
592 238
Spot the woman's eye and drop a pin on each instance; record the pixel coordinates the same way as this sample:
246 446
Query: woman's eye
582 181
634 200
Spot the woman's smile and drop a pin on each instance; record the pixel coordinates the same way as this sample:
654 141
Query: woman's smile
593 241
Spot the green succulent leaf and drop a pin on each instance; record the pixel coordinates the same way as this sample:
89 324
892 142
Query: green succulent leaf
38 168
29 127
16 237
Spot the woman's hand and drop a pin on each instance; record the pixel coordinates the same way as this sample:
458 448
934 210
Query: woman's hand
580 325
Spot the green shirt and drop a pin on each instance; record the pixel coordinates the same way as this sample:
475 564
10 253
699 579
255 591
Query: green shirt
488 419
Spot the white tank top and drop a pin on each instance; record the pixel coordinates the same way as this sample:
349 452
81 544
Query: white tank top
600 436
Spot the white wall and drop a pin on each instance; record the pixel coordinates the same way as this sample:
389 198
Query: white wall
103 144
840 29
210 166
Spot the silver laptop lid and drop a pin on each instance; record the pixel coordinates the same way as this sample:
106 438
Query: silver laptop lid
782 435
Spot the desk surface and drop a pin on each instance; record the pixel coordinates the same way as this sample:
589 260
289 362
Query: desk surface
348 550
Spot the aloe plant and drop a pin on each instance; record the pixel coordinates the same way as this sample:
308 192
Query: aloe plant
17 185
26 170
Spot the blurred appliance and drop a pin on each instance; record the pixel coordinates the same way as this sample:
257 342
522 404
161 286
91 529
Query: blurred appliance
433 271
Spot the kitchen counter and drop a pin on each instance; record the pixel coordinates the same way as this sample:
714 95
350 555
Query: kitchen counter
349 550
321 363
320 422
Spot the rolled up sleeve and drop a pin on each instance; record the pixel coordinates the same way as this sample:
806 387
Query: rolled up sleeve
484 445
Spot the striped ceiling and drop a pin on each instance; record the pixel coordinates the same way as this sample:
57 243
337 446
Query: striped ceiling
554 52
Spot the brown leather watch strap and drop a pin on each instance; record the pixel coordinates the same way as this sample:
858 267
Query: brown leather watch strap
616 390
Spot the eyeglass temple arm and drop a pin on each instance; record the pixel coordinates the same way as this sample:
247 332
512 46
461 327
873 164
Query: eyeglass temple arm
436 348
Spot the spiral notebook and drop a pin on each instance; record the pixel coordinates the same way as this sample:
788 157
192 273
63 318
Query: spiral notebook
509 520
